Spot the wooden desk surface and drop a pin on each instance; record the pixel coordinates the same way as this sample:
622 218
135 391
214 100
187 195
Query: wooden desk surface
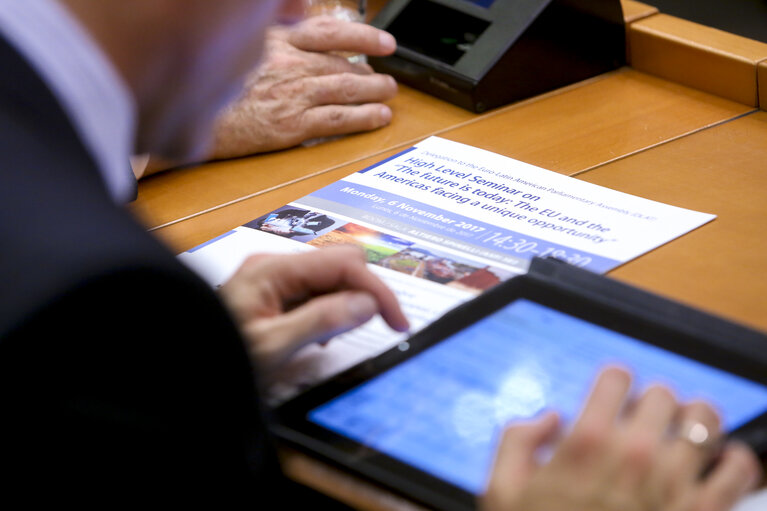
722 170
717 169
569 130
175 194
628 130
169 197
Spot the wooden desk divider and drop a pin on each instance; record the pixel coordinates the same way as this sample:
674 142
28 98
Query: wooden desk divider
702 57
632 12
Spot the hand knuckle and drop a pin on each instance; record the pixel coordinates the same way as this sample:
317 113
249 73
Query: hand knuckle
292 88
332 320
323 27
638 452
705 413
586 439
356 252
660 392
373 121
349 87
252 262
336 118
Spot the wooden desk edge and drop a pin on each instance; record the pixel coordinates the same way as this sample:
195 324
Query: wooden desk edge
702 57
341 485
153 225
635 11
761 80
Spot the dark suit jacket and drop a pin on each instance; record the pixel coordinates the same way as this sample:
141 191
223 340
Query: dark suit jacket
120 373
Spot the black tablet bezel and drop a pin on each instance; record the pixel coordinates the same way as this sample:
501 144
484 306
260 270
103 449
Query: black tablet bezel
672 334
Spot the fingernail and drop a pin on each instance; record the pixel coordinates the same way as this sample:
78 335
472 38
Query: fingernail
385 115
387 42
362 307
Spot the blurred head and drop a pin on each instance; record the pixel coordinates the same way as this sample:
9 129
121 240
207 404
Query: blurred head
183 59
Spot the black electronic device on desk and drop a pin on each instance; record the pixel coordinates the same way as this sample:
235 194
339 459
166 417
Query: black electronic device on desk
480 54
423 417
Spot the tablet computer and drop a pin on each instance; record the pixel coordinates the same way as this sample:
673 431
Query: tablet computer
423 418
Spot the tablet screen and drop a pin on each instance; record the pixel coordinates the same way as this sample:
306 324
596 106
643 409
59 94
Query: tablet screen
440 411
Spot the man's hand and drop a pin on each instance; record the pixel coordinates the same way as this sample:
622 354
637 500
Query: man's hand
284 302
632 461
305 90
302 90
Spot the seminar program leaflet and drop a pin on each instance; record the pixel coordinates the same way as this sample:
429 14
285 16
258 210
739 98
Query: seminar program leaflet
441 222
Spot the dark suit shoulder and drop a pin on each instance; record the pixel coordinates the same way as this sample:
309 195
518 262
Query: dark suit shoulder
119 368
133 381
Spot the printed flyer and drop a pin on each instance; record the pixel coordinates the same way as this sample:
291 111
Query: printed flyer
441 222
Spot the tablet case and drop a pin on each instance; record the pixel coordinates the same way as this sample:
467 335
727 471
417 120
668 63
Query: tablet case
711 333
709 329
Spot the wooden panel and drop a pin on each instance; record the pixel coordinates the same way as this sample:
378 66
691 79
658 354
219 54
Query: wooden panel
342 486
634 11
568 130
177 193
600 121
762 81
695 55
720 266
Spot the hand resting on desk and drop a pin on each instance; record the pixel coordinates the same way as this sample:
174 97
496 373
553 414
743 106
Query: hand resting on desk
303 90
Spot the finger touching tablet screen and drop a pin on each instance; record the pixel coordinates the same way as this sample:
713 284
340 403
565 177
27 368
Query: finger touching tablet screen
441 410
424 418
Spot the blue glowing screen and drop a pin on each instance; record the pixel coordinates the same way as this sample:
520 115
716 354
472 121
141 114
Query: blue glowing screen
441 410
482 3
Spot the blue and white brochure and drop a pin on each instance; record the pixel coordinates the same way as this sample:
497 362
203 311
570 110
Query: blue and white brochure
440 222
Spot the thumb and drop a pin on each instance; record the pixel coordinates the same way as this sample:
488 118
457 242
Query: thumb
515 461
274 339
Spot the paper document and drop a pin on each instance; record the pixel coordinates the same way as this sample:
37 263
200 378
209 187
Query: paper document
441 222
756 501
